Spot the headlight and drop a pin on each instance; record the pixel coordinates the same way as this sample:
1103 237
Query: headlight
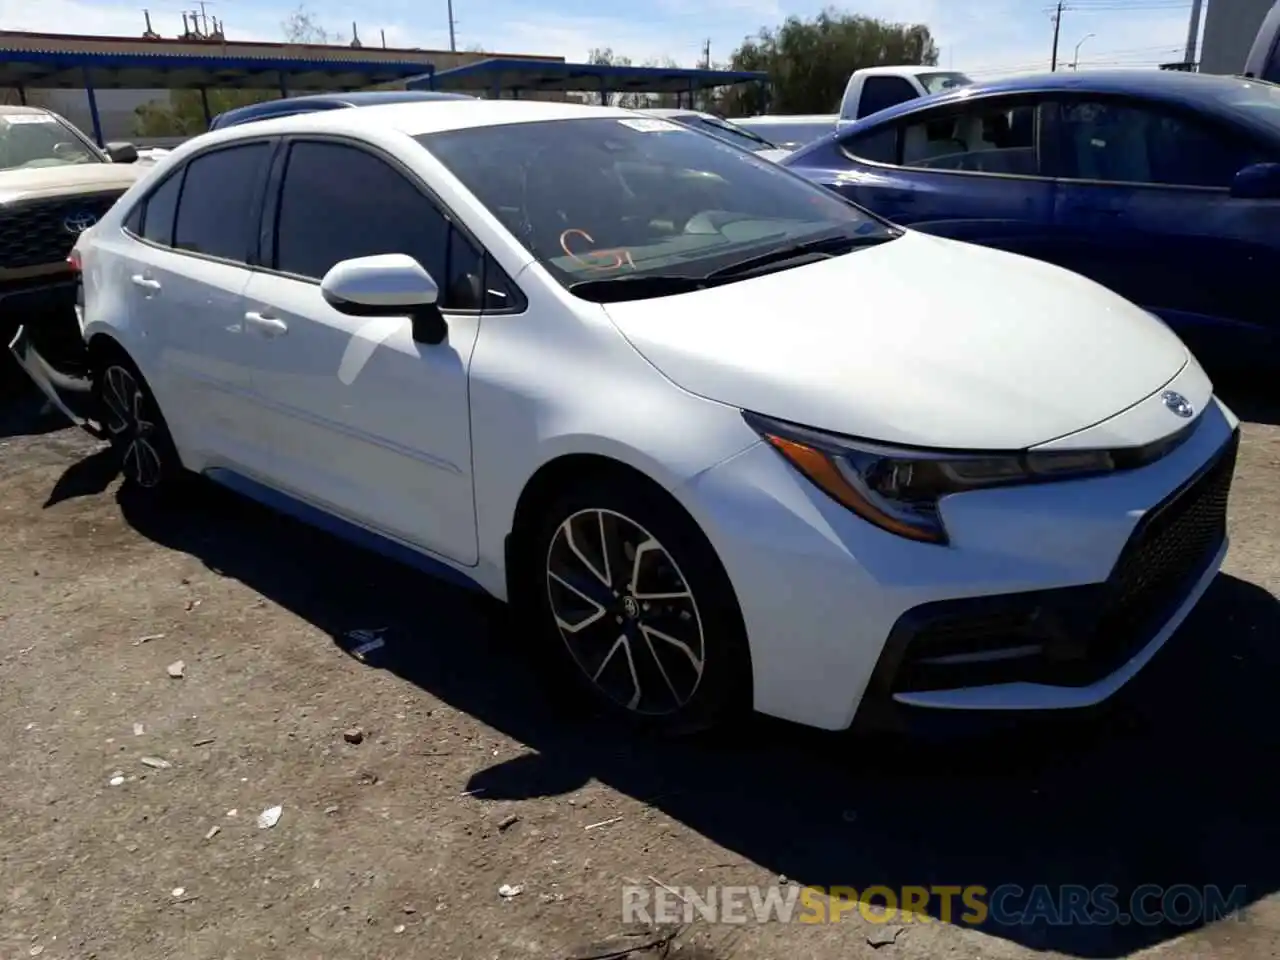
899 489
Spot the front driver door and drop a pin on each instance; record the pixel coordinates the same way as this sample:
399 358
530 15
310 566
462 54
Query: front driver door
1143 207
363 420
970 172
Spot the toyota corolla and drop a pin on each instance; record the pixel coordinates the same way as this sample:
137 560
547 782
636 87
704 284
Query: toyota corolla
726 439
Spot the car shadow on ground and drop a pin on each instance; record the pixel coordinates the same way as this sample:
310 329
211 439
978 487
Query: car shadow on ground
1173 787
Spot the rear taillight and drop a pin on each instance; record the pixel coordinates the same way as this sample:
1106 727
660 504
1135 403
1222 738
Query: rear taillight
73 260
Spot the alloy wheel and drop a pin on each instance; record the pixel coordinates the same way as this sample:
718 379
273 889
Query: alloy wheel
130 427
626 612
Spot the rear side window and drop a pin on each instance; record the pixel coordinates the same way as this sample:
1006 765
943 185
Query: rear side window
159 211
879 93
218 214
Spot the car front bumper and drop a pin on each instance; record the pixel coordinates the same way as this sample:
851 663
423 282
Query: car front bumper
1049 597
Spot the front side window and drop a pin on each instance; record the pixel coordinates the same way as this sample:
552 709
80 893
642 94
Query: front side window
984 138
606 197
323 221
1119 142
880 93
32 140
217 213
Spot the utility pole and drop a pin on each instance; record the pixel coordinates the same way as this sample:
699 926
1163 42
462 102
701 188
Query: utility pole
453 42
706 55
1193 34
1057 28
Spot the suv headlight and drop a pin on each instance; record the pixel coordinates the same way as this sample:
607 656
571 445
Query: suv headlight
899 489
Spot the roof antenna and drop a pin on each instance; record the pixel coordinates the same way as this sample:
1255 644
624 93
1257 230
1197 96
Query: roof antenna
355 36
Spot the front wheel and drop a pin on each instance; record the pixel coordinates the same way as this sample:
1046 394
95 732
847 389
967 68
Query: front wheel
134 425
638 609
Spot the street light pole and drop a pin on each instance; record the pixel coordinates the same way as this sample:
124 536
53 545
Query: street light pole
1075 60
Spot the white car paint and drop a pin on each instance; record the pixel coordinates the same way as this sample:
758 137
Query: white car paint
919 341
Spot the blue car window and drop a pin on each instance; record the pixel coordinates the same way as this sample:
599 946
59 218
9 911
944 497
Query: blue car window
878 146
1126 143
992 138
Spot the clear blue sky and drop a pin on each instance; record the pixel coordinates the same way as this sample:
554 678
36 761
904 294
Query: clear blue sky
982 37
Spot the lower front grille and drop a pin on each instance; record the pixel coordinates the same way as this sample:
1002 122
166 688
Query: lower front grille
38 232
1073 636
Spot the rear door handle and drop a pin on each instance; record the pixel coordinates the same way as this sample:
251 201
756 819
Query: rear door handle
145 282
265 325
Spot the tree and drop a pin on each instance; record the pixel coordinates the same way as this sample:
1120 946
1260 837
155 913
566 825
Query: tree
301 26
604 56
809 61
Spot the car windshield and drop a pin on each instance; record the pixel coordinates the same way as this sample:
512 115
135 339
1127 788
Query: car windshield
937 82
791 134
1261 101
29 140
609 197
725 131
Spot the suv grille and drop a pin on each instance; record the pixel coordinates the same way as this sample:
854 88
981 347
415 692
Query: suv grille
35 233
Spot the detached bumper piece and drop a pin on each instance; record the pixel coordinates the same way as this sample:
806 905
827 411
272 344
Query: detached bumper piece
1069 637
57 387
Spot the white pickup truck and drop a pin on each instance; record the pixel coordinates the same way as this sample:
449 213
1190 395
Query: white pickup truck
868 90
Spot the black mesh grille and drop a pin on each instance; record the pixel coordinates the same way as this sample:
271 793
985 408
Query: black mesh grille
35 233
1168 550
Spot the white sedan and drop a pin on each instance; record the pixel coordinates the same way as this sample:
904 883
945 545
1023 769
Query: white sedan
727 440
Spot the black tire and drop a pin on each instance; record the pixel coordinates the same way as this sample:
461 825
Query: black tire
682 689
134 425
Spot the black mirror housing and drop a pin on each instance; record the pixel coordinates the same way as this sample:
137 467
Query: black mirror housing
121 152
1258 181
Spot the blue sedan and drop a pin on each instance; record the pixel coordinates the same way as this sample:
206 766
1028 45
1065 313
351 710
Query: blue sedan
1162 185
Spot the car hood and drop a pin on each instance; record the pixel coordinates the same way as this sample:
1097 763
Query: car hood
919 341
67 180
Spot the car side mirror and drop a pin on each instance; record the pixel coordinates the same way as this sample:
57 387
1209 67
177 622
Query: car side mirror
1258 181
122 152
387 285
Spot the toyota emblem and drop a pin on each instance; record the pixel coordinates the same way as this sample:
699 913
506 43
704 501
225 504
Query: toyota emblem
78 223
1178 404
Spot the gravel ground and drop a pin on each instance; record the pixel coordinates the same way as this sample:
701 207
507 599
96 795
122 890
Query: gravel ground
466 778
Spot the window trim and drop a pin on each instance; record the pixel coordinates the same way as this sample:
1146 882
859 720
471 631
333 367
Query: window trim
1216 124
273 145
928 115
268 233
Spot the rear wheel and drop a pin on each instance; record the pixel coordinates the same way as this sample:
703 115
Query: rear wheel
637 608
134 425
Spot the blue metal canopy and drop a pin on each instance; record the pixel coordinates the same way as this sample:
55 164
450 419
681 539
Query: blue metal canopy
517 75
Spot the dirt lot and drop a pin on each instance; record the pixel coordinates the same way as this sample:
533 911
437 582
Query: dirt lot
397 845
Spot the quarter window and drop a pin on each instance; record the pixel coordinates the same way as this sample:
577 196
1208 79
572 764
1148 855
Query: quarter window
217 214
983 139
1128 143
323 221
159 210
878 146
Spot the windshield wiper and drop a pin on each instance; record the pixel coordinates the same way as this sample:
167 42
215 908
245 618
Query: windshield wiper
639 286
819 249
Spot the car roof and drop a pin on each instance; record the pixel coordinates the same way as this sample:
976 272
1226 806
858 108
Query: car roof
1175 86
415 119
320 101
16 111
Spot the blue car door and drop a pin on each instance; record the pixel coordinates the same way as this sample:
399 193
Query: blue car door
968 171
1143 207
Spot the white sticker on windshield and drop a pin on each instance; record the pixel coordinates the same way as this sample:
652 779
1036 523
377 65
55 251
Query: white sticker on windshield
16 118
649 125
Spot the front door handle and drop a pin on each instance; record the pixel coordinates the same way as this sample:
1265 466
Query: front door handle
267 326
145 282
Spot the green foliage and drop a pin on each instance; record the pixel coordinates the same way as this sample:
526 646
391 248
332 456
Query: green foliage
183 115
809 61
